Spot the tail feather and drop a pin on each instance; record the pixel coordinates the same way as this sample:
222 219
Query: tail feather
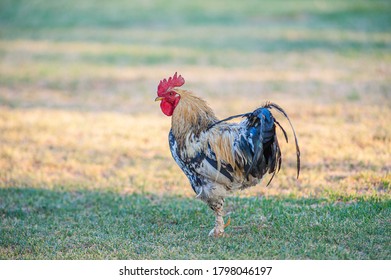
261 143
262 134
279 109
267 156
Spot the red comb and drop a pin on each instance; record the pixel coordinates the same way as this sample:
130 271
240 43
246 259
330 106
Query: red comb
165 85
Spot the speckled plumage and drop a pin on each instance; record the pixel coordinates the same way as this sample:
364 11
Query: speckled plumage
219 157
227 156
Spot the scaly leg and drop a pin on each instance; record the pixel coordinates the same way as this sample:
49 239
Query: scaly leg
217 207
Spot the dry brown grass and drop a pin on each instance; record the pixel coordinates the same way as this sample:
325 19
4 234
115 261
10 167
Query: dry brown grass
109 134
77 110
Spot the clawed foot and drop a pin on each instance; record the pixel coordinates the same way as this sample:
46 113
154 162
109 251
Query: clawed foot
215 232
218 231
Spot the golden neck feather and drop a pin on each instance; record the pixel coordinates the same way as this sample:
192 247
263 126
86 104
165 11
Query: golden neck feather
191 115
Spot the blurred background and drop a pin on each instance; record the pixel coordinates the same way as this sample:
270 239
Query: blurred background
78 80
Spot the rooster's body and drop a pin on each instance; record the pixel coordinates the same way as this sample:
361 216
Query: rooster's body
219 157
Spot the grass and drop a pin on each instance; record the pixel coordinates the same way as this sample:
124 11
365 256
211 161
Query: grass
104 225
85 169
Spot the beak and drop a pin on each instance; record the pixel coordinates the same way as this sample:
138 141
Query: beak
158 98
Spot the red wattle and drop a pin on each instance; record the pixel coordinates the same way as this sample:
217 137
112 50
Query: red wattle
167 108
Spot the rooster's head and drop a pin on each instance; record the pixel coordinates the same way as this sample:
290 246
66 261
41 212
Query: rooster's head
167 95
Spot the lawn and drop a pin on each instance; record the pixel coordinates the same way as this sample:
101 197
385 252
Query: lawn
85 167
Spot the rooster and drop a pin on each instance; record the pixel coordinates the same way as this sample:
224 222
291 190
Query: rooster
219 157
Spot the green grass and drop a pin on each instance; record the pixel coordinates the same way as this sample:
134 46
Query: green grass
42 224
85 169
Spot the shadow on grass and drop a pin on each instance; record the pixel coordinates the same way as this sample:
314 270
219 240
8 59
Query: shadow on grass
47 224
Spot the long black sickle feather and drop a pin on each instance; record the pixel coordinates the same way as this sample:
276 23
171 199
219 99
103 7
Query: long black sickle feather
271 105
278 108
228 119
282 129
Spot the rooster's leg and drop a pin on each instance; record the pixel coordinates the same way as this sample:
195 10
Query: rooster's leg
217 207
